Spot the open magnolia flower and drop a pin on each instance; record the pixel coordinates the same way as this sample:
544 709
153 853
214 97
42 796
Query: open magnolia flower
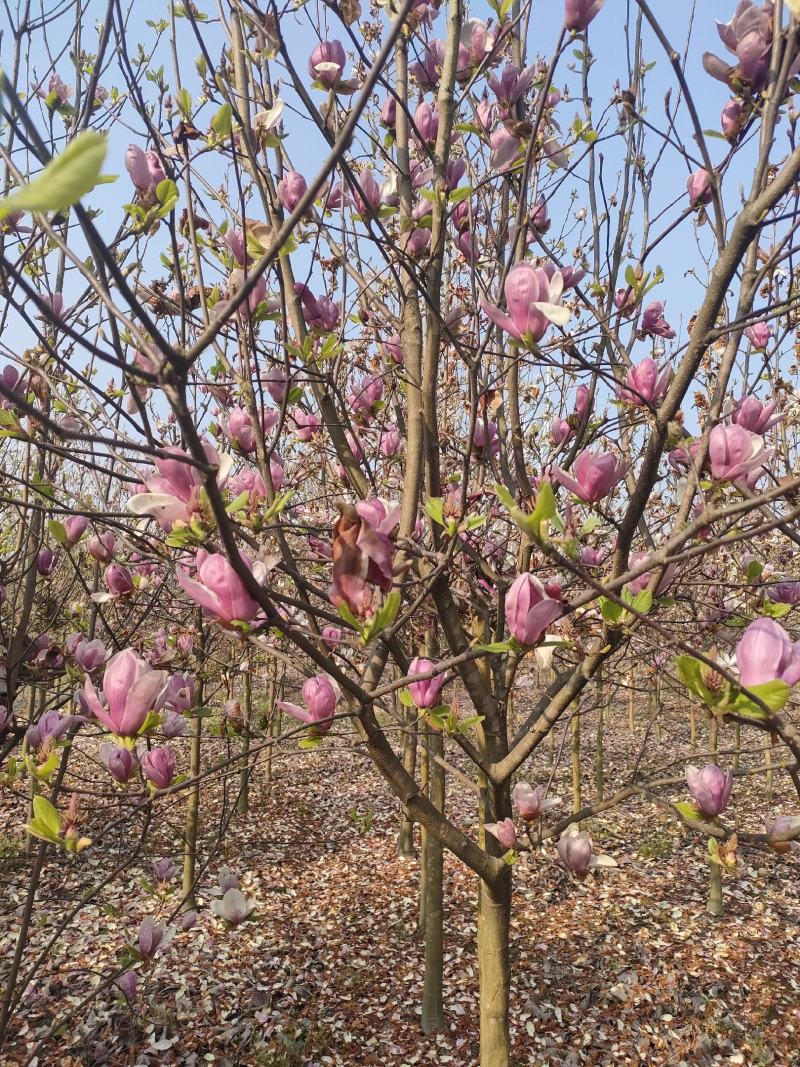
576 852
173 494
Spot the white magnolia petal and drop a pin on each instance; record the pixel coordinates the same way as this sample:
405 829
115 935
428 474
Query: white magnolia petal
556 313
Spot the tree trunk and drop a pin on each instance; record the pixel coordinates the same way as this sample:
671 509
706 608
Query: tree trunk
599 754
714 905
432 1003
423 872
243 799
575 726
494 968
631 700
192 816
405 836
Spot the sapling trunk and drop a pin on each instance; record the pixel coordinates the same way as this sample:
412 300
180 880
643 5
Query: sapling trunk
494 969
631 700
713 736
192 815
432 1002
714 905
423 872
599 769
405 836
737 755
243 799
575 727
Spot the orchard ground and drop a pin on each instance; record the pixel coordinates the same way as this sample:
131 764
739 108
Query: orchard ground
624 968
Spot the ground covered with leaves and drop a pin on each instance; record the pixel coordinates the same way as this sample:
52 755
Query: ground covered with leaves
624 968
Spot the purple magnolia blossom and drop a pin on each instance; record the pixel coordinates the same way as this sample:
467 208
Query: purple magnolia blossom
153 937
179 694
529 609
532 296
173 493
531 801
710 787
164 869
560 431
326 63
765 653
732 120
509 86
759 334
145 172
321 695
227 880
218 589
576 853
391 443
75 527
52 727
234 907
645 385
128 983
579 13
158 766
46 561
119 580
120 762
748 35
594 475
505 832
291 189
505 149
102 547
319 313
425 694
485 440
786 592
89 655
653 323
783 824
754 415
734 452
131 690
174 725
6 719
306 424
698 186
638 584
363 556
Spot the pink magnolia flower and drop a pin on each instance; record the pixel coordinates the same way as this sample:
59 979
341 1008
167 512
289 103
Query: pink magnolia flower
734 452
363 556
644 385
319 313
331 635
638 584
218 589
582 401
239 429
710 787
153 937
158 766
306 424
533 303
276 383
560 431
180 691
46 561
765 653
393 348
389 112
531 801
146 173
366 395
505 832
579 13
732 119
321 695
102 546
485 441
391 443
509 86
783 824
131 690
173 494
530 609
75 527
58 89
237 244
383 515
119 580
326 63
748 35
89 655
759 334
576 853
754 415
120 763
426 121
505 149
425 693
291 189
698 186
785 593
595 475
653 323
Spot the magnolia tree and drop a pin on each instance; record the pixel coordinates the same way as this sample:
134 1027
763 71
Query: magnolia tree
381 344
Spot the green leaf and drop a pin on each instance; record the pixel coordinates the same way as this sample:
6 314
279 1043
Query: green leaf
222 123
167 194
643 602
610 610
184 101
689 671
64 180
687 810
776 611
774 694
47 817
495 647
434 509
531 523
57 532
457 195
